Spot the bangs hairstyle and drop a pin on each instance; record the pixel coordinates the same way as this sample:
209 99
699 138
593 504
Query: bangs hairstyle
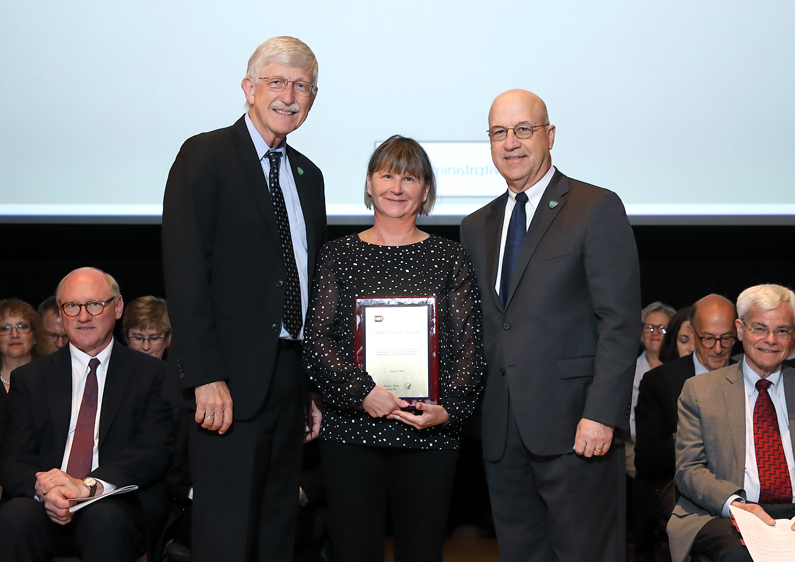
284 51
405 156
765 298
17 307
146 313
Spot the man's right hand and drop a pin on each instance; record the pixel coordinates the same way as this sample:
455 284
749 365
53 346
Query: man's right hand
757 510
380 402
214 406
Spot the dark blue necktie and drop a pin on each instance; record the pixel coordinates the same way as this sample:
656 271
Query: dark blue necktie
517 229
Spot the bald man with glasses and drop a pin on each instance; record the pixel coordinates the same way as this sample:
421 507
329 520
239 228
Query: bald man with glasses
84 421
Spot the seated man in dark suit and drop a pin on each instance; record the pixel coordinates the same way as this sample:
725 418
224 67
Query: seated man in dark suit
714 334
84 421
734 446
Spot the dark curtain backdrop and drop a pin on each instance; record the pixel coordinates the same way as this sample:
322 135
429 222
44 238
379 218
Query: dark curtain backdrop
679 264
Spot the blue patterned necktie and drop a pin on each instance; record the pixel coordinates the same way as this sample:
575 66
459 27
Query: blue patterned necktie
291 315
517 229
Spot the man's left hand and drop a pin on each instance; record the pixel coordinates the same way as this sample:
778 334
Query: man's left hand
312 428
593 439
46 481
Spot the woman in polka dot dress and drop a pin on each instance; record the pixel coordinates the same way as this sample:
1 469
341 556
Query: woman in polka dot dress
375 453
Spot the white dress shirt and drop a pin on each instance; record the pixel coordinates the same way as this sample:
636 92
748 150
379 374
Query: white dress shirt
641 368
776 391
700 369
294 213
534 194
80 371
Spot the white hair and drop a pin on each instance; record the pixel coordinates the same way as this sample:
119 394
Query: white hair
764 298
283 50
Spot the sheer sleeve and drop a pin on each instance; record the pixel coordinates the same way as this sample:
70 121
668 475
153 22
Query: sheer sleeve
328 341
463 324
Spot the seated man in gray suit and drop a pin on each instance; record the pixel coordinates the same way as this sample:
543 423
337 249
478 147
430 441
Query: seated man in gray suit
733 442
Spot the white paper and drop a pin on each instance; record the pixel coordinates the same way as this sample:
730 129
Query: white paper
82 502
766 543
396 348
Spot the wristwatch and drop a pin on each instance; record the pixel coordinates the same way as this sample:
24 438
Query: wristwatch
91 484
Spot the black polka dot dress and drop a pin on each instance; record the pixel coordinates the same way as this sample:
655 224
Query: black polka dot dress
348 268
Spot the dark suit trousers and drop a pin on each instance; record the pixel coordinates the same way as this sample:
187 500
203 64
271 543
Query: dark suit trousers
560 508
245 482
110 530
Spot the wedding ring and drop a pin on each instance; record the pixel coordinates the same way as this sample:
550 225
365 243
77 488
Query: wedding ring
597 450
208 417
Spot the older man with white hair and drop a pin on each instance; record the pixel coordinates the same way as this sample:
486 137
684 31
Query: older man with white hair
243 218
734 444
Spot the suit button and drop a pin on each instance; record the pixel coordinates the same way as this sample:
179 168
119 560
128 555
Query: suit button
275 327
502 372
182 375
506 326
279 283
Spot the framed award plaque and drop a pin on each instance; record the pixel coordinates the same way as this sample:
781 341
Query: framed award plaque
397 343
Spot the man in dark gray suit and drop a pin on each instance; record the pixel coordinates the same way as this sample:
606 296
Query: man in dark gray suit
734 441
558 270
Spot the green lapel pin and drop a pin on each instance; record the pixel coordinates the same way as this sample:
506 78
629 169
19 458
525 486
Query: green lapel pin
552 204
300 171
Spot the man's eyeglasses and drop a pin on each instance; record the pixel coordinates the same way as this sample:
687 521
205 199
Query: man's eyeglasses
21 328
153 340
56 337
709 341
522 131
651 328
762 331
278 84
94 308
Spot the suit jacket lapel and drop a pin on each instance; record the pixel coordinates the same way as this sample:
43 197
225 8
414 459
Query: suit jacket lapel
117 379
734 401
557 190
59 397
789 392
309 199
255 178
493 238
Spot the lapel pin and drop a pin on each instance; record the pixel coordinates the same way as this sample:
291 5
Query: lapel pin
300 171
552 204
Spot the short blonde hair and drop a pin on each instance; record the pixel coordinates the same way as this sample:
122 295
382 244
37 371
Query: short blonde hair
146 312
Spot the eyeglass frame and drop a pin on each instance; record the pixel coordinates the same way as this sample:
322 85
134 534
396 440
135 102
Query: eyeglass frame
786 337
662 328
85 305
718 339
310 92
161 340
12 327
522 124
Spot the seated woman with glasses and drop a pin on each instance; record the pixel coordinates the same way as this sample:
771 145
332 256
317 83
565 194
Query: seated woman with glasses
146 326
21 337
653 324
374 451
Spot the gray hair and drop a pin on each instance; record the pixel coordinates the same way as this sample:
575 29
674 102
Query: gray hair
114 286
765 298
285 51
656 306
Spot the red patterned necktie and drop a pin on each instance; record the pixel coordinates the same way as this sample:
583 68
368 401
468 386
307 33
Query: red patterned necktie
82 453
774 480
